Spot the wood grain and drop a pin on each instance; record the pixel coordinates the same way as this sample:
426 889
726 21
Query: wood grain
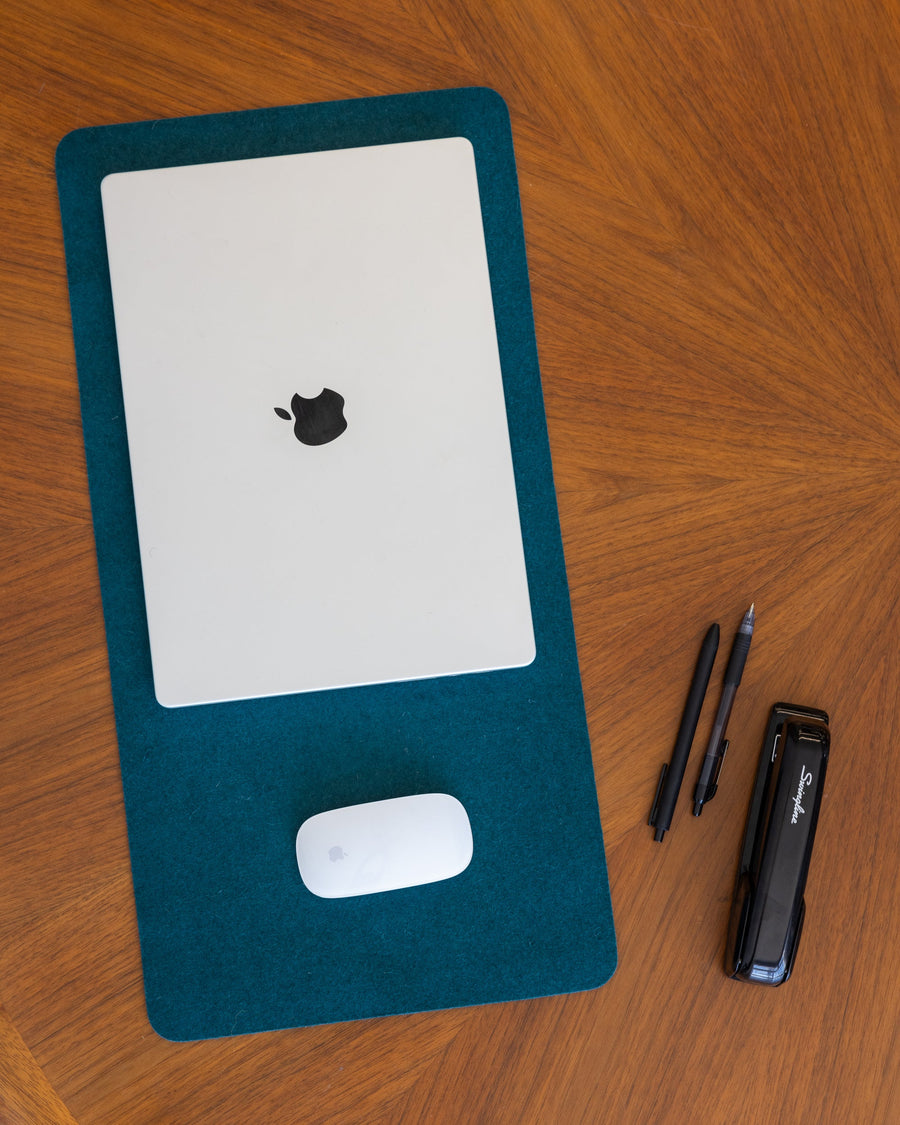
711 212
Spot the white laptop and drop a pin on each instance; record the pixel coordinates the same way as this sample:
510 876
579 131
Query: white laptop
316 422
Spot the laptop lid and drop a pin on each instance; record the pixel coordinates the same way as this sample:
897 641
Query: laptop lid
316 421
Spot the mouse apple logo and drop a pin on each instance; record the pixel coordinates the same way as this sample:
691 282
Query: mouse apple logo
316 420
336 853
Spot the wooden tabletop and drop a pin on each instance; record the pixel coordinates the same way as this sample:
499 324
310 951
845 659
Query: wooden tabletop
710 198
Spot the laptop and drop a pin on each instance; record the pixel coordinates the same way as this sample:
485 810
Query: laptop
316 422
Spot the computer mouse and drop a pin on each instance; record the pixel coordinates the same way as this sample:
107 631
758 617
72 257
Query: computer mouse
384 845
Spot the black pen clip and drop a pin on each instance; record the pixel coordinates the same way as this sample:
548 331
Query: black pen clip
713 786
654 812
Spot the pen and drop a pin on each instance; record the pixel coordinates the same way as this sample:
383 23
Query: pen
715 751
672 774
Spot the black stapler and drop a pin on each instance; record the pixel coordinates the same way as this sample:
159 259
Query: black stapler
768 908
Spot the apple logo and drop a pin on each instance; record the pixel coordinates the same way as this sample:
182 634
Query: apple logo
336 853
316 420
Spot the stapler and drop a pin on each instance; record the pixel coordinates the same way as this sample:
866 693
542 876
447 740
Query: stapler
768 908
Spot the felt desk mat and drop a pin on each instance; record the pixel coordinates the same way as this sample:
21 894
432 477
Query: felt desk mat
231 940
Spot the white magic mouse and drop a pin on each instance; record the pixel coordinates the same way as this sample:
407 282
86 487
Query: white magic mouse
384 845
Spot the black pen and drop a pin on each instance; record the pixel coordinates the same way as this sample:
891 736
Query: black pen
715 751
672 774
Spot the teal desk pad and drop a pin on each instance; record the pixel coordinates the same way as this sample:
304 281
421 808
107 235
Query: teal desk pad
231 940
